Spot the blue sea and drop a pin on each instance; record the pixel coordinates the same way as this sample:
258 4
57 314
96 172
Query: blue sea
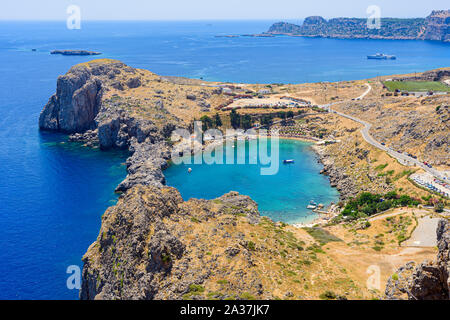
53 193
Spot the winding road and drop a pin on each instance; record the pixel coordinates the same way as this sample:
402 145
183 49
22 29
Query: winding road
365 131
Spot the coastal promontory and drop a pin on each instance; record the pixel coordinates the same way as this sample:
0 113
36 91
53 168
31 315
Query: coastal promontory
435 27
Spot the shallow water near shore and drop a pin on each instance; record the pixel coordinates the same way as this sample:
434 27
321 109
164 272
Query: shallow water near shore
282 196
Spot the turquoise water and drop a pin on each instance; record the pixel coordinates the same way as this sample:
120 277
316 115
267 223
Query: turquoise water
282 196
52 195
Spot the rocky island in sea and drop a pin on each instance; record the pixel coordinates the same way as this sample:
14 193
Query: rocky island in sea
75 52
435 27
154 245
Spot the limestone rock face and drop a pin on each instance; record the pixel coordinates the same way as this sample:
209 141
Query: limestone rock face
85 107
76 103
428 280
438 26
150 246
116 128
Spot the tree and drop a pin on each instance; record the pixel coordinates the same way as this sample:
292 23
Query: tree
290 114
266 120
235 119
207 122
439 207
246 122
281 115
391 195
217 120
405 200
385 205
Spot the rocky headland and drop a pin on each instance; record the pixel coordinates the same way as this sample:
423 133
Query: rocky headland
106 104
428 280
435 27
150 247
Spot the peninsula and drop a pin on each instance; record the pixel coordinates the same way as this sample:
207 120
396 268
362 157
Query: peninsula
434 27
154 245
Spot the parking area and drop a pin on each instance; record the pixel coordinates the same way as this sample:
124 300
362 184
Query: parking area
427 180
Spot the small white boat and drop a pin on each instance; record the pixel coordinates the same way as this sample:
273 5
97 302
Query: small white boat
312 205
288 161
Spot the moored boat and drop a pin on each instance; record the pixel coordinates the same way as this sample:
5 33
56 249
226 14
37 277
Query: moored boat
312 205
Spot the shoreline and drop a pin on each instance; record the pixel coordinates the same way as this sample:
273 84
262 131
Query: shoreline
303 139
320 218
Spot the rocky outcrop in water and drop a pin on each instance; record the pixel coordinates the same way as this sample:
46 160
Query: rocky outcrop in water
80 108
428 280
76 103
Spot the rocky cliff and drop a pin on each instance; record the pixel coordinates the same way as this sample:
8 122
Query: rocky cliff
108 104
149 246
76 103
434 27
437 26
428 280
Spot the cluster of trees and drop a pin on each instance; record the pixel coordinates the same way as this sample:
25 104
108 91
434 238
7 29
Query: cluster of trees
438 204
208 123
240 121
246 121
367 204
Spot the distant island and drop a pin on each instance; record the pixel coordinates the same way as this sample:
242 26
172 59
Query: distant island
75 52
435 27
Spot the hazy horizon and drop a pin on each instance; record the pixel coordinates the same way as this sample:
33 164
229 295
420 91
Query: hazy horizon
204 10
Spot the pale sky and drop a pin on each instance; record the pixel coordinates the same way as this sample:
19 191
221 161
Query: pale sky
212 9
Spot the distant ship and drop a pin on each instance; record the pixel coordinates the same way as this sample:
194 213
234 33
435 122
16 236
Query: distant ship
381 56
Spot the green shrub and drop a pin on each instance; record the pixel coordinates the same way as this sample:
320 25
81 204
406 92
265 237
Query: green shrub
328 295
246 296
